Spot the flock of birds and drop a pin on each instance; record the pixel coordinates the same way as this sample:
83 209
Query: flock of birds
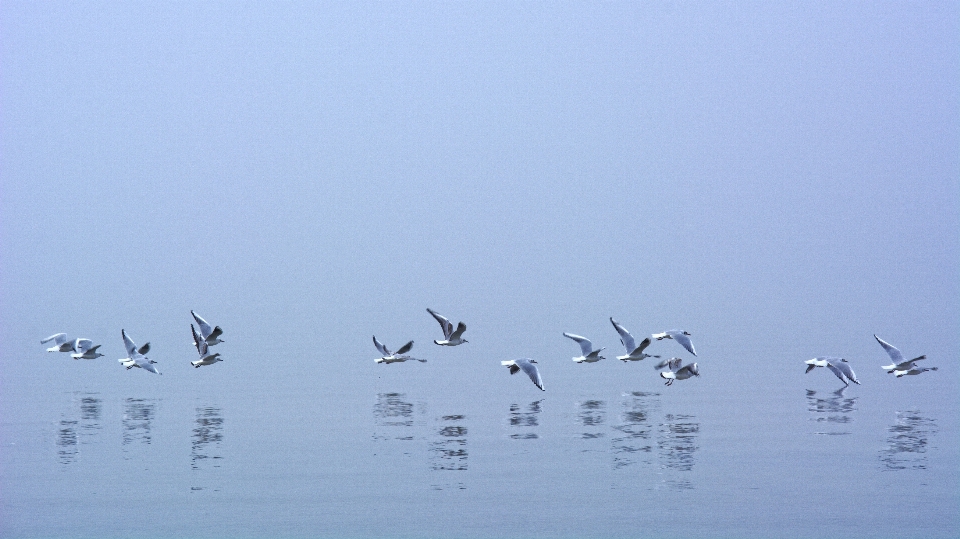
671 369
137 356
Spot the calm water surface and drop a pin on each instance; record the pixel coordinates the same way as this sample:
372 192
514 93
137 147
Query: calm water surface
458 448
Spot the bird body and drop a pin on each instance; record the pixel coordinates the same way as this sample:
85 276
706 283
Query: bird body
634 352
588 354
386 356
85 349
209 334
676 372
899 364
60 343
913 372
526 365
837 365
451 337
135 357
206 358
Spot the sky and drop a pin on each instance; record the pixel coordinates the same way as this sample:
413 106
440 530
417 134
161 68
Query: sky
782 178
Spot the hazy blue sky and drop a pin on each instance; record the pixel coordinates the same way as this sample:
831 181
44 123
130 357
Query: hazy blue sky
764 174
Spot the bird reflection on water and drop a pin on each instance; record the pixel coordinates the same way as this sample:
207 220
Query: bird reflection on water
831 409
592 415
635 430
907 443
72 433
677 443
519 418
207 437
137 418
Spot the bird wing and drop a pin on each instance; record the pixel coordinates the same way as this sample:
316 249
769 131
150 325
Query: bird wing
585 345
461 327
82 345
685 341
847 371
205 328
891 350
59 338
405 348
128 344
836 371
380 348
625 336
643 346
145 349
198 342
532 372
445 324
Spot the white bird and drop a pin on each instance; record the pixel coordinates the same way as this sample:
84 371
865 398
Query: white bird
837 365
527 366
210 334
61 344
451 337
206 358
588 354
913 372
676 372
899 364
681 337
386 356
634 352
135 356
85 349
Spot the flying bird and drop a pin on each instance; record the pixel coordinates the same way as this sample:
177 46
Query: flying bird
386 356
681 337
85 349
527 366
135 356
837 365
899 364
209 334
914 371
634 352
588 354
60 343
206 358
451 337
676 372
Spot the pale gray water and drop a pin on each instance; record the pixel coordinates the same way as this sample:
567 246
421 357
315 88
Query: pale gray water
456 447
780 179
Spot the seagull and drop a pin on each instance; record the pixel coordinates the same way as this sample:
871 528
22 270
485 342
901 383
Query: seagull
838 365
210 334
913 372
899 364
394 357
586 347
61 344
677 372
85 349
451 337
206 358
634 352
681 337
135 356
527 366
